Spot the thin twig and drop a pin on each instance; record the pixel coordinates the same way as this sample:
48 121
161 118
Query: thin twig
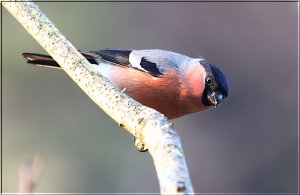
30 173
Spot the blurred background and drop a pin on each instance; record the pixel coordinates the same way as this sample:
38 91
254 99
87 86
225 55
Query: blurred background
247 145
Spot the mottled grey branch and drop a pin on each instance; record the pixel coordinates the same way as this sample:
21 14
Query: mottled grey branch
148 125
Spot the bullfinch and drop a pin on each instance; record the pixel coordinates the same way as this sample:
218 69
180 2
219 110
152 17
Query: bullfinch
169 82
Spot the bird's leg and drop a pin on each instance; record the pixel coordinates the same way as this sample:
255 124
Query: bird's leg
123 90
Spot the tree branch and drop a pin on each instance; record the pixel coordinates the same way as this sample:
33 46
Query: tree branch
148 125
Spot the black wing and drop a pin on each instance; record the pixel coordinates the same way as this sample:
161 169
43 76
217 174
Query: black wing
121 58
117 57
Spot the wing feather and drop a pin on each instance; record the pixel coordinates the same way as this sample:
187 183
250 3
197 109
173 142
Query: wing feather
154 62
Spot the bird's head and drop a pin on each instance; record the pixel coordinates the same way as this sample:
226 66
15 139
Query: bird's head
216 85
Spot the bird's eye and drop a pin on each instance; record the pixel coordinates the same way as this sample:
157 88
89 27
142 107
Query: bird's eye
208 80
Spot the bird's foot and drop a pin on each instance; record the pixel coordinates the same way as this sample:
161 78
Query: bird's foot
140 145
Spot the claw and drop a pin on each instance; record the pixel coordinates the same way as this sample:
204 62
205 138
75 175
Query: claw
123 90
140 146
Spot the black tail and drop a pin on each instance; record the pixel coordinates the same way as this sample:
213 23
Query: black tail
40 59
46 60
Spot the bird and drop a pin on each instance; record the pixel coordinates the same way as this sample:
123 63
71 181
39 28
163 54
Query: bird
172 83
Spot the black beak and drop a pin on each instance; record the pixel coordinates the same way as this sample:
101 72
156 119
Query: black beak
215 98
